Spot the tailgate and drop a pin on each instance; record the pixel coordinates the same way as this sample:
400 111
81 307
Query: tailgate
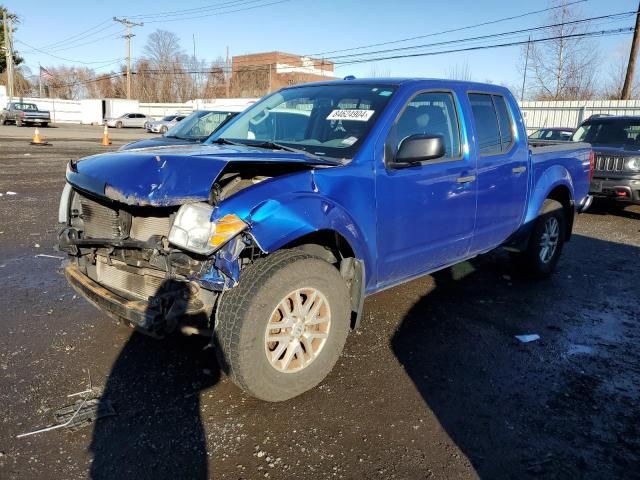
33 115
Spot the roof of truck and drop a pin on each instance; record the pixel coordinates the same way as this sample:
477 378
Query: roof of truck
397 81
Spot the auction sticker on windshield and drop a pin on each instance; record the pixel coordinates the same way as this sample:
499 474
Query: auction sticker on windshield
351 114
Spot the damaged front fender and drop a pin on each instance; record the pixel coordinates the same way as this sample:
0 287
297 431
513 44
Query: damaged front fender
295 205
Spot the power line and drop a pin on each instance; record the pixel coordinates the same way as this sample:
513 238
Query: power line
244 9
63 58
95 40
493 35
602 33
335 59
191 11
79 36
468 27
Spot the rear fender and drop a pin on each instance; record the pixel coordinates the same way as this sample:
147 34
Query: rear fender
552 178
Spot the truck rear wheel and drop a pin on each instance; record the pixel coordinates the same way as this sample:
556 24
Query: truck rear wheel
281 330
546 241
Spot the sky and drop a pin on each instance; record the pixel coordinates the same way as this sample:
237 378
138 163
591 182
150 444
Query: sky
306 27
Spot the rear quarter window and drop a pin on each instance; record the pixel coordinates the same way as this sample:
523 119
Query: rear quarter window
494 126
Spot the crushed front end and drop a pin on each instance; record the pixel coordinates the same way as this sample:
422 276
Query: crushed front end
121 260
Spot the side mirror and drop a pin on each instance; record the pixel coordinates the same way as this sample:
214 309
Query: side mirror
419 148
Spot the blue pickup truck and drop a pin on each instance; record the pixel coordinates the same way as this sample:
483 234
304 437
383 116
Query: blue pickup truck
270 235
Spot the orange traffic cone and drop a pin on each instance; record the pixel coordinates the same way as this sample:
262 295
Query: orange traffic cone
36 140
105 137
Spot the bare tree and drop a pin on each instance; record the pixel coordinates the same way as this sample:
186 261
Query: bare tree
459 72
375 71
165 56
563 68
216 81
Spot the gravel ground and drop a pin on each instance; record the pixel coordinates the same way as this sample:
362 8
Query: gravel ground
433 385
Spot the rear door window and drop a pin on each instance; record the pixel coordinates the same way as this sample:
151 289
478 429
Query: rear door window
494 126
504 121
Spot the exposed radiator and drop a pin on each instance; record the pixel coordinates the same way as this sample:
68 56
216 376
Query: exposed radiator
117 277
102 222
142 228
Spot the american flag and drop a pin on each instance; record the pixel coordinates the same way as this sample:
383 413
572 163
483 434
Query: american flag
46 74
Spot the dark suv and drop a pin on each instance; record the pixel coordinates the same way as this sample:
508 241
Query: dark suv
616 144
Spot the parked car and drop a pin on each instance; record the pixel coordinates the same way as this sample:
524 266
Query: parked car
22 113
136 120
163 125
272 233
556 134
195 128
616 144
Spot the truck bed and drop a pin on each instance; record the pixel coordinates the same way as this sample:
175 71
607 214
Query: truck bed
573 157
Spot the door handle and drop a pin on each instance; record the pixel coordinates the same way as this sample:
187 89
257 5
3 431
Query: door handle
467 179
519 169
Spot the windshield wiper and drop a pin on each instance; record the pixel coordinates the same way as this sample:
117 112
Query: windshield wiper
224 141
278 146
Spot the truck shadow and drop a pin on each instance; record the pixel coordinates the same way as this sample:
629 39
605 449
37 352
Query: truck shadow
154 387
518 409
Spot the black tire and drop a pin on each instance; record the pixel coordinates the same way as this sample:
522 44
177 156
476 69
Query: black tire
538 264
45 124
246 309
163 130
118 124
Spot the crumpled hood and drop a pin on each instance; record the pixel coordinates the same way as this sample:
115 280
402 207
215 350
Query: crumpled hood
171 175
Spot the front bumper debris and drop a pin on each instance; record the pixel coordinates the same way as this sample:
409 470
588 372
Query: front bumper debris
173 304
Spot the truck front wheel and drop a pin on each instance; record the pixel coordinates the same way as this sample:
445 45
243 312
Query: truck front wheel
547 240
280 331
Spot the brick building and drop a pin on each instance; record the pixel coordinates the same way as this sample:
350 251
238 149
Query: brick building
257 74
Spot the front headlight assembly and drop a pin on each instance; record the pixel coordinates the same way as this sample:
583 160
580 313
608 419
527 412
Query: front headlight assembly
633 164
193 229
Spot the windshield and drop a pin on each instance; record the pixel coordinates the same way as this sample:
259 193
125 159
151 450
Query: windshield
168 118
198 126
328 120
616 132
26 106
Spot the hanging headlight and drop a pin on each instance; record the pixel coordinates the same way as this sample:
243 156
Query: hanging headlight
193 229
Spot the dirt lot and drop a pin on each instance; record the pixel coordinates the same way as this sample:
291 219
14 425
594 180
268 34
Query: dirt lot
434 384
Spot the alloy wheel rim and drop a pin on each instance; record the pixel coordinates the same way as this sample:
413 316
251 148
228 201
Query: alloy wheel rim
550 238
297 330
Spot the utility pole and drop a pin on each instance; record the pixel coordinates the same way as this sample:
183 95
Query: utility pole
39 80
195 66
128 23
524 74
228 72
631 67
8 52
